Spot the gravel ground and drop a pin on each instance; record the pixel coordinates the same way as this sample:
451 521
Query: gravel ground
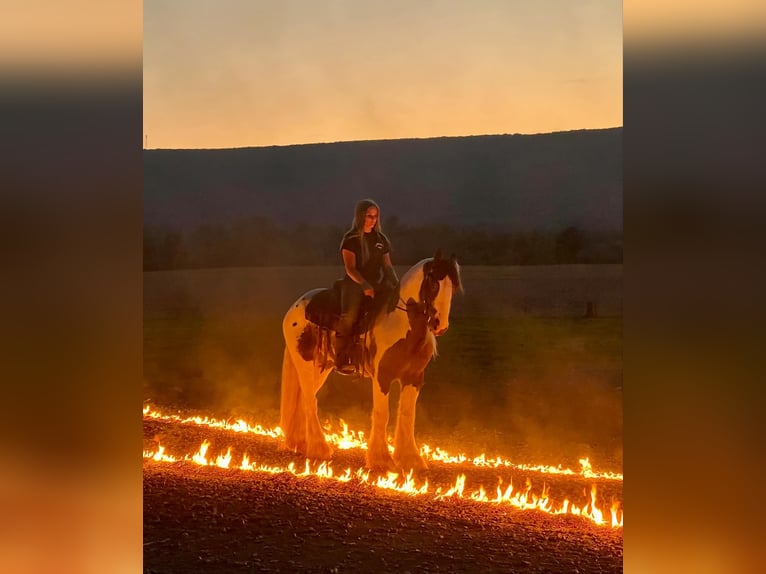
207 519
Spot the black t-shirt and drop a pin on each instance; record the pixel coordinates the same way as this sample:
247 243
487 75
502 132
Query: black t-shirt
377 246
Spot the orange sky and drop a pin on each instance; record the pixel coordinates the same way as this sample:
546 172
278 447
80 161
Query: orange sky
237 73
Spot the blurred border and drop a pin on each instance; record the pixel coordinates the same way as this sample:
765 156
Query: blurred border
694 182
70 297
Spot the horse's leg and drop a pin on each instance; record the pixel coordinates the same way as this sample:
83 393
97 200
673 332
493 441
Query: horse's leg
406 452
378 456
311 380
292 419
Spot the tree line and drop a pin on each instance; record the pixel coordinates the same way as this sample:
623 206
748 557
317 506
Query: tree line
259 241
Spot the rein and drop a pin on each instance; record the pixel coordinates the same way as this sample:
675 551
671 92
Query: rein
428 311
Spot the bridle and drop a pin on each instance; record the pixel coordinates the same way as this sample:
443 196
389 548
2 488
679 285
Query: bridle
429 290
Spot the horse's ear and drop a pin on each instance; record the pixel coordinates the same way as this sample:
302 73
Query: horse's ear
411 301
438 254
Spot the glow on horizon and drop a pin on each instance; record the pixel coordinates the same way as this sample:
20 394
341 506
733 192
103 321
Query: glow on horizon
238 73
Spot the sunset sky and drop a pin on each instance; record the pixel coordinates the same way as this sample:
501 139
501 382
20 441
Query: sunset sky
237 73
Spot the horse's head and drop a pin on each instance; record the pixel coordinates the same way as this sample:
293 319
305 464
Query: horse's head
441 278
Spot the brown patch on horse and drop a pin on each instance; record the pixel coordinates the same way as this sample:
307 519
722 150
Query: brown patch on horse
307 343
316 344
407 359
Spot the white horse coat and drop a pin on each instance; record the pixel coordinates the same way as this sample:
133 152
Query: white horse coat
398 347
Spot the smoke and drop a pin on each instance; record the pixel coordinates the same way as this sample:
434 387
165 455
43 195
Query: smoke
530 377
213 339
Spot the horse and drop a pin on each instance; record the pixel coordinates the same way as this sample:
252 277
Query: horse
399 343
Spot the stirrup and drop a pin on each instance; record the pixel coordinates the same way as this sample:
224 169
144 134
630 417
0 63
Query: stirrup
343 363
346 369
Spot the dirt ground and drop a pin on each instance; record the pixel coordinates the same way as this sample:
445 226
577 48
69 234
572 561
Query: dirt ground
207 519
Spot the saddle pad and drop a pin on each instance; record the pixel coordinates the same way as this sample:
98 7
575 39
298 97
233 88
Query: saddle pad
324 308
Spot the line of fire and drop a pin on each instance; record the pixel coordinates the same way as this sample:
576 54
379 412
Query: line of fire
520 495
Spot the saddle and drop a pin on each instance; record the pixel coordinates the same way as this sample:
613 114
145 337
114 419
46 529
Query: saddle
324 308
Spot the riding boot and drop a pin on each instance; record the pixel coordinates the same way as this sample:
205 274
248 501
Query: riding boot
343 362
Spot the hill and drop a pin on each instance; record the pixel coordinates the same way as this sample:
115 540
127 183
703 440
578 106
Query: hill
518 183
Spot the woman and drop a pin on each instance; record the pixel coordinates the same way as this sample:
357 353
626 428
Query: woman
366 254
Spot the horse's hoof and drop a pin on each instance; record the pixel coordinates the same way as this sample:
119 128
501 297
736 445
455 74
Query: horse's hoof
414 463
293 446
382 464
320 452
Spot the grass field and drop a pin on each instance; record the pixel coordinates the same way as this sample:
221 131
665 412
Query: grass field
521 370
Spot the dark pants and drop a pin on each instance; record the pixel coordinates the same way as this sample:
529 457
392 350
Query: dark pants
351 295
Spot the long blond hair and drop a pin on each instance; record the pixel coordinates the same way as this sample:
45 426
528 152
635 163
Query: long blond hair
357 225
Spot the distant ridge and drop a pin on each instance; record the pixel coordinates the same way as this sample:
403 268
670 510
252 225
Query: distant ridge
515 134
516 182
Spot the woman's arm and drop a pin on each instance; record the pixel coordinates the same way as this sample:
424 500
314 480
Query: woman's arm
388 270
349 262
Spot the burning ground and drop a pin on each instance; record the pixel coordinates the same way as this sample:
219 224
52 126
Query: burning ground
207 508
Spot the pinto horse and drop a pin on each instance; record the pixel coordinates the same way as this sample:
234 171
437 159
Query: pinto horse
399 344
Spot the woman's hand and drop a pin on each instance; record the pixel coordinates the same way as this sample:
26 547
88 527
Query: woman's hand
368 290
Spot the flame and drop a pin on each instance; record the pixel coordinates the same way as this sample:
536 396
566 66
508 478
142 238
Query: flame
223 460
237 426
160 455
201 456
394 481
598 516
456 490
616 518
482 460
524 499
345 439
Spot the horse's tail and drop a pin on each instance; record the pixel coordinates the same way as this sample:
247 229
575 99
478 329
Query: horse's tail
291 417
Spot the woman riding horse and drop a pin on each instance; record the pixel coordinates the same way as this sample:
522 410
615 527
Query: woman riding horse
366 253
398 347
